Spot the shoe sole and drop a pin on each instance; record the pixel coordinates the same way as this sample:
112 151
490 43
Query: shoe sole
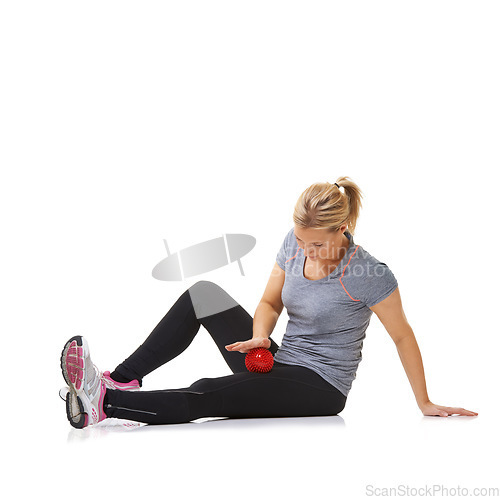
73 372
75 411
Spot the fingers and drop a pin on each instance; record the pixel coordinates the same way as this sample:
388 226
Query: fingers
460 411
235 346
446 411
246 345
469 412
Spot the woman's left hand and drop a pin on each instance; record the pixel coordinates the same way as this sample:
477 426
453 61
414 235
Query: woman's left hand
430 408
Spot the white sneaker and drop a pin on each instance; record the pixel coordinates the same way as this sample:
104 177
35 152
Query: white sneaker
86 387
133 385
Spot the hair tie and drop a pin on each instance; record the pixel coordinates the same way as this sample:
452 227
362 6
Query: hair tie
337 185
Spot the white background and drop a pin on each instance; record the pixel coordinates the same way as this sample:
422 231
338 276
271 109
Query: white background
126 123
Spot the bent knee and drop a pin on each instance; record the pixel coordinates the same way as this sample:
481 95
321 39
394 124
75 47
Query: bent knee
208 298
203 284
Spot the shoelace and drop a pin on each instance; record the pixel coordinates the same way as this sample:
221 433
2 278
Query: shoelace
94 382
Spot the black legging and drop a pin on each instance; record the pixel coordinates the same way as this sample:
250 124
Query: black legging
285 391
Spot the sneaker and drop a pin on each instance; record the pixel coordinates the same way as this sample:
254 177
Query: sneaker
133 385
86 388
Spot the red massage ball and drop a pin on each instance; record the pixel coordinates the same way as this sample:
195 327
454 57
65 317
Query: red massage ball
259 360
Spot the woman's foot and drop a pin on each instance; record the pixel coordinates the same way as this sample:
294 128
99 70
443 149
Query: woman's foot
86 387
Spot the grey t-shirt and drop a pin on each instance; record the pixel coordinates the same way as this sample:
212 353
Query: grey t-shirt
328 317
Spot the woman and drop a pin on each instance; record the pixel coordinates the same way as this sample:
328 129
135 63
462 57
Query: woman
330 287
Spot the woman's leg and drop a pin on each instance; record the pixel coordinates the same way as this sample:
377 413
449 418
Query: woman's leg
285 391
204 303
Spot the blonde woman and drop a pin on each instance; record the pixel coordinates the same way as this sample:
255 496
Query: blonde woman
330 287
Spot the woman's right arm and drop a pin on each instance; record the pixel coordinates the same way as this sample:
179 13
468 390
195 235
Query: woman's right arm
270 305
264 320
266 315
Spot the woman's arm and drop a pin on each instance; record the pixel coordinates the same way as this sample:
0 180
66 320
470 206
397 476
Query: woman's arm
266 315
391 314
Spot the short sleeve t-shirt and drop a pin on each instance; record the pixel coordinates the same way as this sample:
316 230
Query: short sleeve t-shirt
328 317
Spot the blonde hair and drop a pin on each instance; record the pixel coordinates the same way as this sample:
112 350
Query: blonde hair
322 205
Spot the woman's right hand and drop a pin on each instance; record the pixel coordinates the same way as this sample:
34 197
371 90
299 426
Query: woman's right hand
247 345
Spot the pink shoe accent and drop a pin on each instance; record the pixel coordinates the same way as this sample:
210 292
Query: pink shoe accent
102 415
75 364
98 415
133 385
75 350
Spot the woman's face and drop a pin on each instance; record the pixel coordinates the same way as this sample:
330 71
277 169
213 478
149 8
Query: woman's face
321 244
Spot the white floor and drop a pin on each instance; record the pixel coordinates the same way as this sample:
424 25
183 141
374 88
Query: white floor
345 456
